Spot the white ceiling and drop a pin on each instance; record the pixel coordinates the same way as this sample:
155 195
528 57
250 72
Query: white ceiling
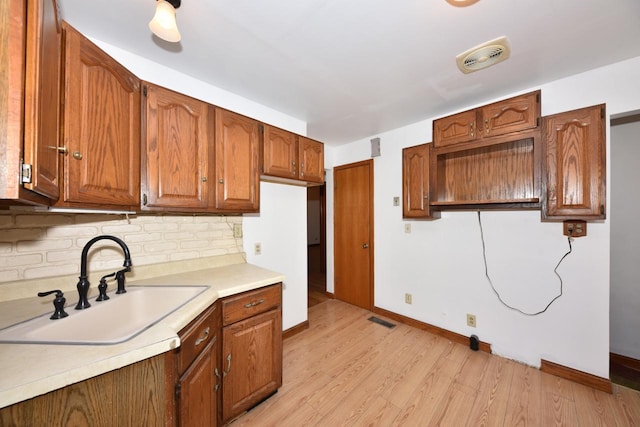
352 69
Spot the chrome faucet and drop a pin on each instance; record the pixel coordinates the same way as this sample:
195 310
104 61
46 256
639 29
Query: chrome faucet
83 284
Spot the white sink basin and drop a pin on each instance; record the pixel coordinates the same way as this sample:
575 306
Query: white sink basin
106 322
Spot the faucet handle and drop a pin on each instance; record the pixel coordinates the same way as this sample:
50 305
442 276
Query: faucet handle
58 303
102 288
120 278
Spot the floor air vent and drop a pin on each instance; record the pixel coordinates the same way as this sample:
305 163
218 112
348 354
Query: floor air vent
384 323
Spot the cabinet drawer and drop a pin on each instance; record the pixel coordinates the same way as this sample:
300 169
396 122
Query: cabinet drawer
250 303
197 335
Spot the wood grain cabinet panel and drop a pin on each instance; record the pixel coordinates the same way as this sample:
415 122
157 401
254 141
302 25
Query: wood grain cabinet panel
178 151
251 349
101 127
455 129
279 153
415 182
311 160
511 115
30 84
575 162
237 160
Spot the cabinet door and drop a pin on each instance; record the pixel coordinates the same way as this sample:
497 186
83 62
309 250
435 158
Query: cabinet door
198 389
311 159
178 147
101 126
42 97
237 161
252 362
415 178
455 129
575 164
279 153
511 115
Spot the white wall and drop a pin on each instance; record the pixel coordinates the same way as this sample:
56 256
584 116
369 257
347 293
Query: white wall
281 229
441 264
625 240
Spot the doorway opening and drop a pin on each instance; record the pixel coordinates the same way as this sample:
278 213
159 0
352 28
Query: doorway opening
316 245
624 360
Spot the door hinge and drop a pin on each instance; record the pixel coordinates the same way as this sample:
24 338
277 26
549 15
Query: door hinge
26 173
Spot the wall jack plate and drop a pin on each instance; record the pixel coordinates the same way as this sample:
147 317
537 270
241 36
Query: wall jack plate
574 228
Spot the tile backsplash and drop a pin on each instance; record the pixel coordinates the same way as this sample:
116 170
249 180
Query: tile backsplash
40 245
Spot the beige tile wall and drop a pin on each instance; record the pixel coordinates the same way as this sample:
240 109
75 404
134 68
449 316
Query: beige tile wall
39 245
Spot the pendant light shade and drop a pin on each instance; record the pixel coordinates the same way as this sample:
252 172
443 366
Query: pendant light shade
163 23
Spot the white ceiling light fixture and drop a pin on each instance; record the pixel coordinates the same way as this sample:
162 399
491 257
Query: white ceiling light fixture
163 23
461 3
484 55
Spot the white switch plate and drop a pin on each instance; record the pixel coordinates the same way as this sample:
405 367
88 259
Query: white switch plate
407 228
237 231
396 201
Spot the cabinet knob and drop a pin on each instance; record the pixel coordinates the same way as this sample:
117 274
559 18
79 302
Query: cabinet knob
204 179
77 155
365 246
221 181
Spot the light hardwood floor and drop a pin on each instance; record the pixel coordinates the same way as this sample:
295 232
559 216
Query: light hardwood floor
347 371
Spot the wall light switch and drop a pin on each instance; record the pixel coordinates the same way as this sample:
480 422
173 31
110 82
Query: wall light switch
407 228
396 201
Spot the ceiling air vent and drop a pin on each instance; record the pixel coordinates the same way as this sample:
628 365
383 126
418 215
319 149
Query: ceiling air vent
484 55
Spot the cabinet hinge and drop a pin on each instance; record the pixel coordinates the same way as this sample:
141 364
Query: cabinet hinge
538 122
538 98
262 168
602 113
144 199
178 387
26 173
144 90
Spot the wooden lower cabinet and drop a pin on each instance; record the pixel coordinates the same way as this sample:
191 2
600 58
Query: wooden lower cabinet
251 349
134 395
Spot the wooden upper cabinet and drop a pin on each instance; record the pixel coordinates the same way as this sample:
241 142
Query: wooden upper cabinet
510 115
287 155
237 161
178 134
455 129
575 162
311 160
415 182
42 97
101 127
280 153
30 84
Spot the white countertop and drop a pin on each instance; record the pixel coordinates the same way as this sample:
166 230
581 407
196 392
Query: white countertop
29 370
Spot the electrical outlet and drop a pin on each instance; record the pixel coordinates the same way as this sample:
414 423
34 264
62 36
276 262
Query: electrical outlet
471 320
257 248
396 201
408 298
574 228
407 228
237 231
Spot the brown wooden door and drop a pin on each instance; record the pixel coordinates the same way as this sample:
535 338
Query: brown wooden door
511 115
178 146
251 362
575 164
101 126
311 159
353 233
197 391
415 178
280 153
42 97
455 129
237 149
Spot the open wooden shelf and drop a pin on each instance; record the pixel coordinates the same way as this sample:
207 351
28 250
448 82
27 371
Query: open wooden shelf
502 171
